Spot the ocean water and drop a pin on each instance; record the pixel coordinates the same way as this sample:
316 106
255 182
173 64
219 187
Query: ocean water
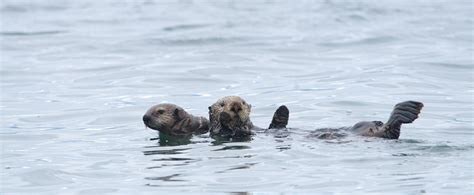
77 76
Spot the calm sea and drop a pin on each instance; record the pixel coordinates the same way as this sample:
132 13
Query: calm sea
77 76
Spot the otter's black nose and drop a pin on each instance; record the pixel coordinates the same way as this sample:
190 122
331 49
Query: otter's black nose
146 119
236 107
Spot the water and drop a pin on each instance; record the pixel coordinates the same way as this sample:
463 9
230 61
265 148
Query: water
77 76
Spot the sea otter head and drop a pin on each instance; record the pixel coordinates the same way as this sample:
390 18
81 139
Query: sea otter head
163 117
367 128
229 116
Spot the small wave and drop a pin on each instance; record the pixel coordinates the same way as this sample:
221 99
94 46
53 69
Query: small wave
233 148
450 65
166 152
37 33
350 103
173 159
364 41
225 157
166 178
244 166
444 148
410 141
196 41
46 177
170 165
185 27
21 8
405 154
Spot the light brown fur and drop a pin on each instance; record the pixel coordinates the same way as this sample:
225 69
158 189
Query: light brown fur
174 120
230 116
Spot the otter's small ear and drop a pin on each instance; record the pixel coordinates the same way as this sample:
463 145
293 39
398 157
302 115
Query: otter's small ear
179 113
209 108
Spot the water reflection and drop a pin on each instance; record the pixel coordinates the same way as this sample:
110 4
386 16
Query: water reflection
283 147
170 162
168 140
165 151
221 140
279 133
224 157
173 159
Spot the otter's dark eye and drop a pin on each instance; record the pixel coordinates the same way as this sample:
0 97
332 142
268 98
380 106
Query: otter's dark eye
378 123
222 104
244 102
161 111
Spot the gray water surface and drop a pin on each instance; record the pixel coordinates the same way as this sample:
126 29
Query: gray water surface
77 76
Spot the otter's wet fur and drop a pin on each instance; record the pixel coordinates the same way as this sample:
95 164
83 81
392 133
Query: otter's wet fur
173 120
403 112
230 117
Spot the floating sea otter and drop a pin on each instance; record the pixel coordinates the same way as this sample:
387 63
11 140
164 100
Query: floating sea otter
404 112
173 120
229 117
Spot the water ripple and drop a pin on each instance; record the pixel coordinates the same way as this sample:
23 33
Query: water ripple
19 33
77 76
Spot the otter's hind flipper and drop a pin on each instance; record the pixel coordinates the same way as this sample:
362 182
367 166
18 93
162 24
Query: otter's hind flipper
404 112
280 118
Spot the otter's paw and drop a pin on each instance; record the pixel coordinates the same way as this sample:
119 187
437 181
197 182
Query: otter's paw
406 112
225 118
280 118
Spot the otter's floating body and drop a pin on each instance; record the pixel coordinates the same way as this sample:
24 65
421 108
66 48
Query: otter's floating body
173 120
404 112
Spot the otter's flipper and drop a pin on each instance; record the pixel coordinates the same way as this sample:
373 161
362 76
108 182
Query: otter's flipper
280 118
404 112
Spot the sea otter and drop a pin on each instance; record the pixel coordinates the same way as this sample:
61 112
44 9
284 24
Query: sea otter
230 118
404 112
173 120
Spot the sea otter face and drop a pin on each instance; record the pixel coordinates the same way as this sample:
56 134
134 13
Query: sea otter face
162 117
231 114
367 128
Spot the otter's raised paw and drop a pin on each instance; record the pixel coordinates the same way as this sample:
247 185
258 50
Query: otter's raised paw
280 118
406 112
225 119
